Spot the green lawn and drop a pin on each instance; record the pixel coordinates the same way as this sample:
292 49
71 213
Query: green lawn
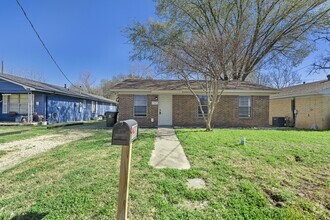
276 175
31 132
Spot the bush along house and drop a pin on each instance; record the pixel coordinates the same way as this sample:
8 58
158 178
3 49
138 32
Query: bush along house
154 103
25 100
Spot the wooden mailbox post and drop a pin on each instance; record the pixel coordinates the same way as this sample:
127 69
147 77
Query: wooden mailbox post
124 133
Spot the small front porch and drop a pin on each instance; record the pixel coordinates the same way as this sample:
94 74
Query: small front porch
16 107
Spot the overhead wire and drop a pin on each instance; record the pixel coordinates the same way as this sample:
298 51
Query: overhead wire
43 44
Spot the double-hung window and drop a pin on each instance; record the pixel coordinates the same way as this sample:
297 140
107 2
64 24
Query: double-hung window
203 99
15 103
140 105
244 107
93 107
4 104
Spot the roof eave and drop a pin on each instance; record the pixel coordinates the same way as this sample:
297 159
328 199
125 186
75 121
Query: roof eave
75 96
27 88
295 95
187 92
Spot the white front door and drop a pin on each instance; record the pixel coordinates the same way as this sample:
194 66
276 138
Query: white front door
164 110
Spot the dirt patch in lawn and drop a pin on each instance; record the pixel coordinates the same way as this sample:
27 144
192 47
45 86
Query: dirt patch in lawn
18 151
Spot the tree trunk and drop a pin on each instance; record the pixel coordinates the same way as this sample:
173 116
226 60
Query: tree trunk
208 125
210 116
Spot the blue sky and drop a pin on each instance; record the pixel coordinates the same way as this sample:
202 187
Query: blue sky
82 35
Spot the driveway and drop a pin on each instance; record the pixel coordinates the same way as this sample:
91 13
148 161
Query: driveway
15 152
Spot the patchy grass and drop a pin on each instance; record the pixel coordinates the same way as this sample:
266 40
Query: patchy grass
2 153
276 175
32 131
79 180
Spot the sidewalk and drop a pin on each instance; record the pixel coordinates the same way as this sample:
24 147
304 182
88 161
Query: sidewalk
168 152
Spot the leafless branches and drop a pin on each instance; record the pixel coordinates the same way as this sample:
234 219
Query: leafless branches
225 40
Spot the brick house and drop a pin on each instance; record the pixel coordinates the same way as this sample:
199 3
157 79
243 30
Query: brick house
306 105
154 103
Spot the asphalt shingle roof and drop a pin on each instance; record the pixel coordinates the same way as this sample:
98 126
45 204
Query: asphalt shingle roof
154 85
49 88
313 88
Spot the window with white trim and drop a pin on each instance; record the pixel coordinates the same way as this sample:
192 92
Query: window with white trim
204 104
4 104
85 104
93 107
80 107
15 103
244 107
140 105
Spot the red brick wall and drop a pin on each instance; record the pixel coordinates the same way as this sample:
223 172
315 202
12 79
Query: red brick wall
126 110
185 112
226 115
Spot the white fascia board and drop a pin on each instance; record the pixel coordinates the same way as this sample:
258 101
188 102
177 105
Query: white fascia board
324 92
295 96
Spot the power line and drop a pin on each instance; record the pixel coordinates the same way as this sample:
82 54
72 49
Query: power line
43 44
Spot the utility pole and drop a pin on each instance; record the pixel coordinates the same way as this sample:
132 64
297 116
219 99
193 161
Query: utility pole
2 67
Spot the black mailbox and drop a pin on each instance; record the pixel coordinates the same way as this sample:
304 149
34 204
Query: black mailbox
124 132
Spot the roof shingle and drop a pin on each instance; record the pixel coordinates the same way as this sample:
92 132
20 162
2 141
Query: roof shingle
313 88
156 85
49 88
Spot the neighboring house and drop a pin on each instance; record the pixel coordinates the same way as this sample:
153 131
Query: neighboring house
305 106
21 98
154 103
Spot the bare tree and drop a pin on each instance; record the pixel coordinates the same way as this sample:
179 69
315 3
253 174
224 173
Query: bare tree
278 74
136 72
216 41
27 73
323 61
139 71
86 82
283 77
279 78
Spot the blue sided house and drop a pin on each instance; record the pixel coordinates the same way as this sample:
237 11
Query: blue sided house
27 100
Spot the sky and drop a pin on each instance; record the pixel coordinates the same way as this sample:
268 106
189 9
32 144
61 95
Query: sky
82 36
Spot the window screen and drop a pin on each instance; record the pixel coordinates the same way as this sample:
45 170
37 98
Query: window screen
93 107
244 106
204 104
140 105
18 103
4 104
23 104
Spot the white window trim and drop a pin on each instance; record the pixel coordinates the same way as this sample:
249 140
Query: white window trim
198 109
5 104
93 107
145 106
249 106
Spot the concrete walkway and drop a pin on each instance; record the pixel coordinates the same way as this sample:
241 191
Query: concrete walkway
168 152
